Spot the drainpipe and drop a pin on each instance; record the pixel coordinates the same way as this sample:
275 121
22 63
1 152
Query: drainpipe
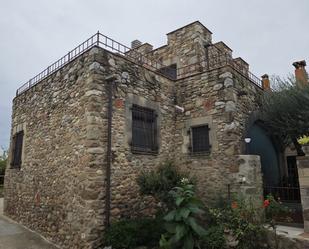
109 87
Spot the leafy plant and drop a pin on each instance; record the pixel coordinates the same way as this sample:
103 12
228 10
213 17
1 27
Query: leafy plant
303 140
158 183
3 162
243 224
183 230
133 233
274 210
214 238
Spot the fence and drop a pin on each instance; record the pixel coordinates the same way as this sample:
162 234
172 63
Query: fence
99 40
285 194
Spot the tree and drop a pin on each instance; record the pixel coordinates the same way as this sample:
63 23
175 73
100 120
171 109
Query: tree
286 110
3 162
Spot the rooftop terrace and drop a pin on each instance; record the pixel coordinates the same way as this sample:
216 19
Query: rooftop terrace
100 40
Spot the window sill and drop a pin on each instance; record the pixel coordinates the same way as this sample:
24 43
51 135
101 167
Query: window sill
139 151
205 154
15 168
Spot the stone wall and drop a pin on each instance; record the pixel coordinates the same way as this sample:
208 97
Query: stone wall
185 48
136 85
213 98
247 180
58 191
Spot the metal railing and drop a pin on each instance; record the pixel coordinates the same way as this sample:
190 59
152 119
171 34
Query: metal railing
216 62
219 60
285 194
99 40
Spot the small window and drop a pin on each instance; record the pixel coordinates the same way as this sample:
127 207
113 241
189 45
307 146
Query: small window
169 71
17 149
200 139
144 130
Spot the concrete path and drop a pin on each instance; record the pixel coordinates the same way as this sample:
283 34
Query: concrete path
15 236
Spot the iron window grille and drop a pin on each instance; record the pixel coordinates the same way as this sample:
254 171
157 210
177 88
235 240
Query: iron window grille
17 149
144 130
200 140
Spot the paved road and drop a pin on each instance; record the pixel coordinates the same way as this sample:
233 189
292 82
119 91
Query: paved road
15 236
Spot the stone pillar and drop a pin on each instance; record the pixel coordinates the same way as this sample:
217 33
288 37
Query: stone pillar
246 178
303 174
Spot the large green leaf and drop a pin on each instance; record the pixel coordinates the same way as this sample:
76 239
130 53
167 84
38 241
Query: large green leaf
180 232
178 216
188 242
196 210
179 200
184 212
164 243
196 228
170 227
170 216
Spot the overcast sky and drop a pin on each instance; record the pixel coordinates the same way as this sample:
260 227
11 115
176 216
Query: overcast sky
268 34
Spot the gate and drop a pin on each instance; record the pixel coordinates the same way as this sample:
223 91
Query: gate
290 197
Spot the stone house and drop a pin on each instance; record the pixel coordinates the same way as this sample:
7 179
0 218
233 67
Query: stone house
88 125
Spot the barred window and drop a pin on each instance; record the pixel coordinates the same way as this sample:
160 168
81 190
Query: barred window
200 139
17 149
144 130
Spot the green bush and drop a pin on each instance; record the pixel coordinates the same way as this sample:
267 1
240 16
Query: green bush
160 182
2 169
243 222
127 234
214 238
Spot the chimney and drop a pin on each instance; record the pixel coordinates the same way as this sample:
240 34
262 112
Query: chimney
135 44
301 75
265 82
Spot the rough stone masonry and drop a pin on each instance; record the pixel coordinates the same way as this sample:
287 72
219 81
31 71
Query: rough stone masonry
59 190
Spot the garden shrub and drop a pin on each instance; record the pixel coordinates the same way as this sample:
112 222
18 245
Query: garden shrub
214 238
244 221
127 234
2 169
275 211
3 162
158 183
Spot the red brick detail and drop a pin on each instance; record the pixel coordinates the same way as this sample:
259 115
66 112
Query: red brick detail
119 103
208 104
